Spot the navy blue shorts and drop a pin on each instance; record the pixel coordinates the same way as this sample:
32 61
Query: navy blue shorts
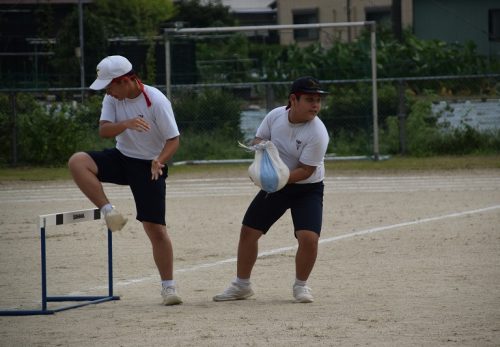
149 195
305 202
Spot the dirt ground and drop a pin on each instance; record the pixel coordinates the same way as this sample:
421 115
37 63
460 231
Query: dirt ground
405 260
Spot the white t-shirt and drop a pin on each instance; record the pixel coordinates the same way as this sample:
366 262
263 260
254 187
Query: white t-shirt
302 142
160 116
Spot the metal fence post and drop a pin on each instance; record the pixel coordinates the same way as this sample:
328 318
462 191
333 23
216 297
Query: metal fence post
374 90
14 128
402 117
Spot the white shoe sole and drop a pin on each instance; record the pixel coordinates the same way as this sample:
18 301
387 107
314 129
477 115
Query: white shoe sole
242 297
172 300
304 300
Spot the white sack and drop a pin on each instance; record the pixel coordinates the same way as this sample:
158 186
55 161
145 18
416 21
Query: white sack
267 170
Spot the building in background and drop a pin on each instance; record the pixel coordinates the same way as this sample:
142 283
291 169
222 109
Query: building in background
327 11
28 28
460 21
254 12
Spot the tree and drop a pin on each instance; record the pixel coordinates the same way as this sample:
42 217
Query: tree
65 61
211 14
105 19
133 17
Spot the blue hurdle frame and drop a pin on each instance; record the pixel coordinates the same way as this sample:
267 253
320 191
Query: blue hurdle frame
59 219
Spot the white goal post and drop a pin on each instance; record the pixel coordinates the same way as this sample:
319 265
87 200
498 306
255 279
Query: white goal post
171 32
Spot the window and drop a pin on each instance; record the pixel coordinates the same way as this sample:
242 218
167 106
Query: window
494 25
305 17
379 14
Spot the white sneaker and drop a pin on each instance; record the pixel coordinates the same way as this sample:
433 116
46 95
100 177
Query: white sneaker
234 292
170 296
302 294
115 220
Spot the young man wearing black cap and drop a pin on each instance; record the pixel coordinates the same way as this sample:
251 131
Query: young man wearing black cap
141 119
301 139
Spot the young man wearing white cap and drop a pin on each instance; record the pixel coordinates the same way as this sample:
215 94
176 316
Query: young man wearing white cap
141 119
301 139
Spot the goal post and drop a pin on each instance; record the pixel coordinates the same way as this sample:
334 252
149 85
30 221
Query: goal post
170 33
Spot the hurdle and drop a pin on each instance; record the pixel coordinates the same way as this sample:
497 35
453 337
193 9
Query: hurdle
58 219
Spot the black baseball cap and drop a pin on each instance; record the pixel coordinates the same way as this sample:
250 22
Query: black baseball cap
307 85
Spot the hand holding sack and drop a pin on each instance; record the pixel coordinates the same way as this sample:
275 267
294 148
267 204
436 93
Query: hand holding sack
267 171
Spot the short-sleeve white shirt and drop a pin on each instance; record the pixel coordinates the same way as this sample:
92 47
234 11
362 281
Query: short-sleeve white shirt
302 142
160 116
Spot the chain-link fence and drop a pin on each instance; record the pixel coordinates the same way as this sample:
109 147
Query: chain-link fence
417 116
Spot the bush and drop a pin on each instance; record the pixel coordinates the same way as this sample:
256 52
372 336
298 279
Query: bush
209 146
350 107
207 111
425 137
49 133
348 143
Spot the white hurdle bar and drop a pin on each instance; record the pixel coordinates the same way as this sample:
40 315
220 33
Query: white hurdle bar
60 219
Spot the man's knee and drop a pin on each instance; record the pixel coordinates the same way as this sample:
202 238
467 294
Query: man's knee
79 161
248 234
307 238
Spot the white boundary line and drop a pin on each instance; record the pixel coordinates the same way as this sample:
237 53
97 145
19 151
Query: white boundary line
291 248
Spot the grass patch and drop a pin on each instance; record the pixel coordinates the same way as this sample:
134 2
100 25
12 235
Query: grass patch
240 170
34 173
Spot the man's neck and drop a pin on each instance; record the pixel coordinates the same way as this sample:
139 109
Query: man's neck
135 90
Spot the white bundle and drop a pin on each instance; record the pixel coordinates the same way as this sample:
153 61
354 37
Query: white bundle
267 170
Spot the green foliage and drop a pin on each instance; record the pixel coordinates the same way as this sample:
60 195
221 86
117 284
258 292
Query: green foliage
45 133
350 108
210 145
412 57
133 17
212 109
208 14
48 133
425 137
6 129
65 61
102 20
418 57
224 60
346 143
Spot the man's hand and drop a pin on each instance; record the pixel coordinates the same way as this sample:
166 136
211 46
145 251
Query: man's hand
156 169
138 124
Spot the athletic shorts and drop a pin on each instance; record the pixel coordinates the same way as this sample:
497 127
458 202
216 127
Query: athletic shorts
149 195
305 202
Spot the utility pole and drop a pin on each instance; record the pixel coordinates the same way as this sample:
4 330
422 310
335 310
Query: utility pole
401 86
81 50
348 15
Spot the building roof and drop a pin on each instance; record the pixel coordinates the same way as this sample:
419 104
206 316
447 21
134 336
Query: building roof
249 6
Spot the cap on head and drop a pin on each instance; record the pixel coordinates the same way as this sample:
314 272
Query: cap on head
307 85
110 67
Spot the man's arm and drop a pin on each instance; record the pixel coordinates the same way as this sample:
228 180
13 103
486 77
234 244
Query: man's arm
300 173
109 129
168 151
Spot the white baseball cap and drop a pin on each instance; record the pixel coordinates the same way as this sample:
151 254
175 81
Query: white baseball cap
110 67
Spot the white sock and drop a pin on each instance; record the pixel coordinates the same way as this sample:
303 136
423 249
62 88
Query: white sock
168 283
299 283
106 208
242 282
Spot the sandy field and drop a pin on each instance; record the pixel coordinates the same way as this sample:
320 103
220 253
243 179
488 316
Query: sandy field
407 259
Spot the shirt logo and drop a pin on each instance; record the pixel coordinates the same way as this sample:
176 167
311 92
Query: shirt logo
298 143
